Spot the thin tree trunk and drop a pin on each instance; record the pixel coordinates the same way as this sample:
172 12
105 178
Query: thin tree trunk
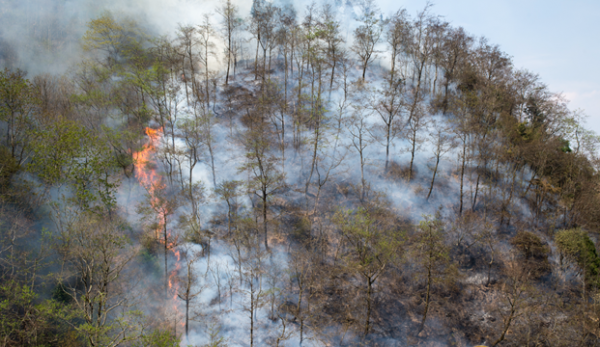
427 297
412 154
256 59
264 198
387 146
433 178
462 177
369 293
187 313
212 163
166 253
476 191
299 308
506 326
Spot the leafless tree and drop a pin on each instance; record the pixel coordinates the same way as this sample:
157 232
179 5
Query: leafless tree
230 24
367 35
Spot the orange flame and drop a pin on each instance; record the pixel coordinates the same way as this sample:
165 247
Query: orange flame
146 174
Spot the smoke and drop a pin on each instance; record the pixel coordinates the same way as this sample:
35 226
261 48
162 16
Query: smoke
44 36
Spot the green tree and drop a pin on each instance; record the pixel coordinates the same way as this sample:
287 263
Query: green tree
158 338
371 248
18 107
432 256
576 245
66 153
115 38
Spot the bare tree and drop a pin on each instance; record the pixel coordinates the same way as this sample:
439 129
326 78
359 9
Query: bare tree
99 255
230 24
332 36
454 54
191 133
367 35
265 178
388 103
414 127
514 291
187 43
228 190
254 271
421 50
190 290
286 32
398 38
206 34
443 142
361 136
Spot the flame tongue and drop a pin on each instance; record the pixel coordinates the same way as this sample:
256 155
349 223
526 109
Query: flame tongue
147 176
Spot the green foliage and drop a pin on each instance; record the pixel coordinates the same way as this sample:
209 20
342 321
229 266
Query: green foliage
565 146
214 339
56 148
115 38
430 250
158 338
67 153
8 167
17 106
302 229
373 247
60 294
16 304
576 245
525 131
27 321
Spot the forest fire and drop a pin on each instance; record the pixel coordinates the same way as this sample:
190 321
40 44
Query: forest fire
147 175
145 171
284 175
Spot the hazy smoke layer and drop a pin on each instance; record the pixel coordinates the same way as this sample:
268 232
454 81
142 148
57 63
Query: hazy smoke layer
43 36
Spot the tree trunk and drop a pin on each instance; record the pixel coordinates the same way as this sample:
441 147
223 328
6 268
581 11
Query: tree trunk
506 326
187 313
362 171
369 294
299 308
256 58
212 162
387 146
228 51
476 191
412 154
166 253
264 211
251 316
462 176
427 297
433 178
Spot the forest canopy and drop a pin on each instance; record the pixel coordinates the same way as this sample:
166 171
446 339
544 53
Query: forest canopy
291 176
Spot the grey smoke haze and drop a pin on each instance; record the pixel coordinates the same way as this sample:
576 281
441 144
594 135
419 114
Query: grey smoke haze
44 36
